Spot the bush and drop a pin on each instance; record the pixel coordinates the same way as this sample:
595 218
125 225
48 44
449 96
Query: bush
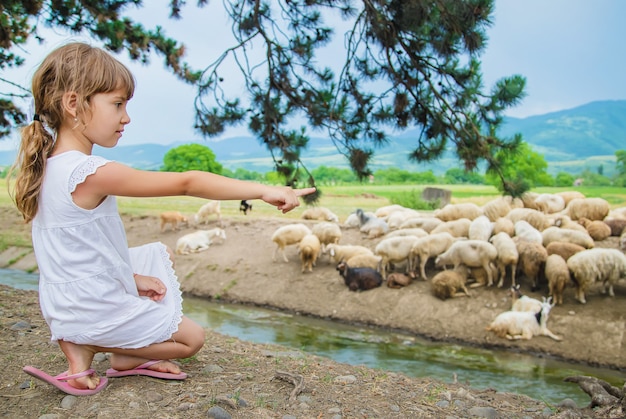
413 199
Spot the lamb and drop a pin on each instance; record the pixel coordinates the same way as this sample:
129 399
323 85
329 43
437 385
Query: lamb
319 213
309 249
175 218
527 232
372 226
359 279
398 280
458 228
556 234
287 235
364 260
428 247
343 252
245 206
453 212
480 228
449 284
394 250
327 233
521 302
427 224
471 253
563 249
557 274
532 259
198 241
206 210
591 208
598 230
481 276
515 325
507 256
596 265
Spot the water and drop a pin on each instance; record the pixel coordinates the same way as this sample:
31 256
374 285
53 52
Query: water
539 378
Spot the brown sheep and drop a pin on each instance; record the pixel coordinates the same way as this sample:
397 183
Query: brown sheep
563 249
617 225
557 274
398 280
448 284
598 230
175 218
532 259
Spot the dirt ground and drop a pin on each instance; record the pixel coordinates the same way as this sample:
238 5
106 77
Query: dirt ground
241 377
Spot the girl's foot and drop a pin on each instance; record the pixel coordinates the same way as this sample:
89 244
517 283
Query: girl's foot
127 362
79 358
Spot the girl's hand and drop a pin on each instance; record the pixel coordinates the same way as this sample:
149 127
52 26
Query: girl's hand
151 287
284 197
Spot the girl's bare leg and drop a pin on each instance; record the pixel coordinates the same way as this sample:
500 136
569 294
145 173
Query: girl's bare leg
184 343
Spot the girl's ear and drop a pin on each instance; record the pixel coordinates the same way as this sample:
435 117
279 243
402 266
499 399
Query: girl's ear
70 104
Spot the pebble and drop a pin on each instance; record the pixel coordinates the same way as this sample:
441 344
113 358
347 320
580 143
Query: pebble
217 412
21 325
345 379
68 402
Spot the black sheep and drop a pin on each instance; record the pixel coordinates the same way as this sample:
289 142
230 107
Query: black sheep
359 279
244 206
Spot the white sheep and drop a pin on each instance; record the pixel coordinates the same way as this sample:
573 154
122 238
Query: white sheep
394 250
556 234
458 228
527 232
557 274
591 208
602 265
425 223
507 256
175 218
521 302
327 233
343 252
564 221
417 232
619 213
622 241
550 203
523 324
206 210
427 247
471 253
452 212
535 218
569 195
480 228
383 212
372 226
352 221
496 208
198 240
504 225
396 218
319 213
309 249
287 235
364 260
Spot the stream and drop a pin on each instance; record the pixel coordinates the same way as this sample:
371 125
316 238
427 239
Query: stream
539 378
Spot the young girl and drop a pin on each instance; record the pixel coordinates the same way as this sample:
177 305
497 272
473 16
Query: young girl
96 294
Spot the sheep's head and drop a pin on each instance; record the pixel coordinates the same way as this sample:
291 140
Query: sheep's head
342 267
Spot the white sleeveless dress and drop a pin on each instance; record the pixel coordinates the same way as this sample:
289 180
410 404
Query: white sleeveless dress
87 291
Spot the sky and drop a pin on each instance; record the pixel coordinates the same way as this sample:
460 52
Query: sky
570 51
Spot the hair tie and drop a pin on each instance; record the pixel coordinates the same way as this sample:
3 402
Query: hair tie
36 117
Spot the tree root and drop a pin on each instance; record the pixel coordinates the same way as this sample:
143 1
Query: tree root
602 393
296 379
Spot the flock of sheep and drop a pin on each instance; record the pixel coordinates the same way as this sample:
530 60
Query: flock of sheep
542 237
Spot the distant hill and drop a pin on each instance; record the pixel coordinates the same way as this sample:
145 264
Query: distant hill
570 140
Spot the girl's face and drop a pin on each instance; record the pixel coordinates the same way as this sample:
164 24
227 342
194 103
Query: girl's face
108 118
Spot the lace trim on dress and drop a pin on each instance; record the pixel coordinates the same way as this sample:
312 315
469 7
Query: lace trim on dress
86 168
173 286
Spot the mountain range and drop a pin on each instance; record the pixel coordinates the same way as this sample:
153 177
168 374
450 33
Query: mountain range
585 137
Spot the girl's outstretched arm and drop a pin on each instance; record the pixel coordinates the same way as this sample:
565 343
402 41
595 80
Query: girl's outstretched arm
120 180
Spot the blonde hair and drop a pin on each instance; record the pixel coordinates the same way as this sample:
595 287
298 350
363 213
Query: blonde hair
74 67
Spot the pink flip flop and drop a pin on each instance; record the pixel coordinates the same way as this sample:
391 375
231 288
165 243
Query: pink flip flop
143 370
59 381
